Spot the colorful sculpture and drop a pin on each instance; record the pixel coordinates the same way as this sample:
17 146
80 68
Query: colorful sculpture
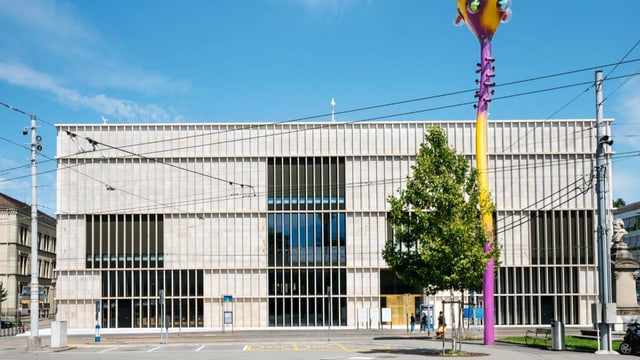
483 18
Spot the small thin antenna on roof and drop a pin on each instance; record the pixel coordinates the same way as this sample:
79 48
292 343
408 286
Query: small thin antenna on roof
333 105
104 119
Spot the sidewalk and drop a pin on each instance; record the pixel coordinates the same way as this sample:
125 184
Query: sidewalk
374 341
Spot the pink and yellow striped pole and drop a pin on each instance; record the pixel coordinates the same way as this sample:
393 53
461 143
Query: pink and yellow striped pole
483 18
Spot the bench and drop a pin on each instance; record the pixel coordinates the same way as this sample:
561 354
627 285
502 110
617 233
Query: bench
539 334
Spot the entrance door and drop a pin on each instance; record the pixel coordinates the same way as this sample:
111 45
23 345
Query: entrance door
546 309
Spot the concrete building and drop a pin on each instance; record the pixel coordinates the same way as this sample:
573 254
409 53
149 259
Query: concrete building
15 258
282 225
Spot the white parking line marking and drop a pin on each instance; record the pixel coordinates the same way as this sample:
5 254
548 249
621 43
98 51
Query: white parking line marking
154 349
105 350
200 348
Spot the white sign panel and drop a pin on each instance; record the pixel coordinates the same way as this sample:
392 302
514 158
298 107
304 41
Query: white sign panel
362 315
386 314
374 316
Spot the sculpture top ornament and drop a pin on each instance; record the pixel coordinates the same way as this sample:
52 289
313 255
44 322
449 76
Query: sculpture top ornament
483 16
618 232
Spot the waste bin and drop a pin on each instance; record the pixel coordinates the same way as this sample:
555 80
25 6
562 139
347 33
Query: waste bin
557 335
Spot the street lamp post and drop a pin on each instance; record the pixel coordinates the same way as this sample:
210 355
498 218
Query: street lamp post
605 298
34 339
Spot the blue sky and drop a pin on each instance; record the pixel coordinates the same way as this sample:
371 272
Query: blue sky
149 61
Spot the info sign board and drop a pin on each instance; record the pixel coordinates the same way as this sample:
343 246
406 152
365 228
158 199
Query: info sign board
228 317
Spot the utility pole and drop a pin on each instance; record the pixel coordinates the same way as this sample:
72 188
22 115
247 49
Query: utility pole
605 309
34 339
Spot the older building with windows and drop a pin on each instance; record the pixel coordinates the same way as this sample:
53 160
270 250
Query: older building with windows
15 258
282 225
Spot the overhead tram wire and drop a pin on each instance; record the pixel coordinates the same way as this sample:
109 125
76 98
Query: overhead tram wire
588 187
13 108
615 67
220 198
20 146
225 198
624 155
323 125
558 88
583 189
81 173
546 163
424 110
137 155
401 102
230 182
611 92
591 85
506 96
68 167
400 180
498 231
413 112
392 103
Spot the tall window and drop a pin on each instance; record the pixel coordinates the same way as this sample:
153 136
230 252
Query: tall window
125 241
561 242
306 244
562 237
24 235
129 250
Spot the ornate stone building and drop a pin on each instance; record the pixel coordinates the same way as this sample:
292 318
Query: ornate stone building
15 257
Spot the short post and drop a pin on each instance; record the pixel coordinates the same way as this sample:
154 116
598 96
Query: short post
97 339
161 303
330 314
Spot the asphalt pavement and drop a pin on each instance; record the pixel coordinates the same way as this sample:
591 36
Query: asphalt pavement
274 344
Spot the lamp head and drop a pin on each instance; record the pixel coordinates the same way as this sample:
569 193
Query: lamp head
606 139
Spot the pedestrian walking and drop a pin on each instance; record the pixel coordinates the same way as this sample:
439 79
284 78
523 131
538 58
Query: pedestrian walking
441 326
413 323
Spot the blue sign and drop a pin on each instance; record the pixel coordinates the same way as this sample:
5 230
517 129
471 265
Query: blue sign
469 312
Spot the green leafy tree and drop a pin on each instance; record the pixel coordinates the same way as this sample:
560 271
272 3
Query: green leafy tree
619 202
439 237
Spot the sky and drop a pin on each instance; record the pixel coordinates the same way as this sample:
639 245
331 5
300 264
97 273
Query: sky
149 61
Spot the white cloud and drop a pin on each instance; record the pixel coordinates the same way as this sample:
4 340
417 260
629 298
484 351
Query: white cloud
20 75
47 17
73 51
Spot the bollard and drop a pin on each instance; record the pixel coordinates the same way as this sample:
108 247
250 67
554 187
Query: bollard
97 333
